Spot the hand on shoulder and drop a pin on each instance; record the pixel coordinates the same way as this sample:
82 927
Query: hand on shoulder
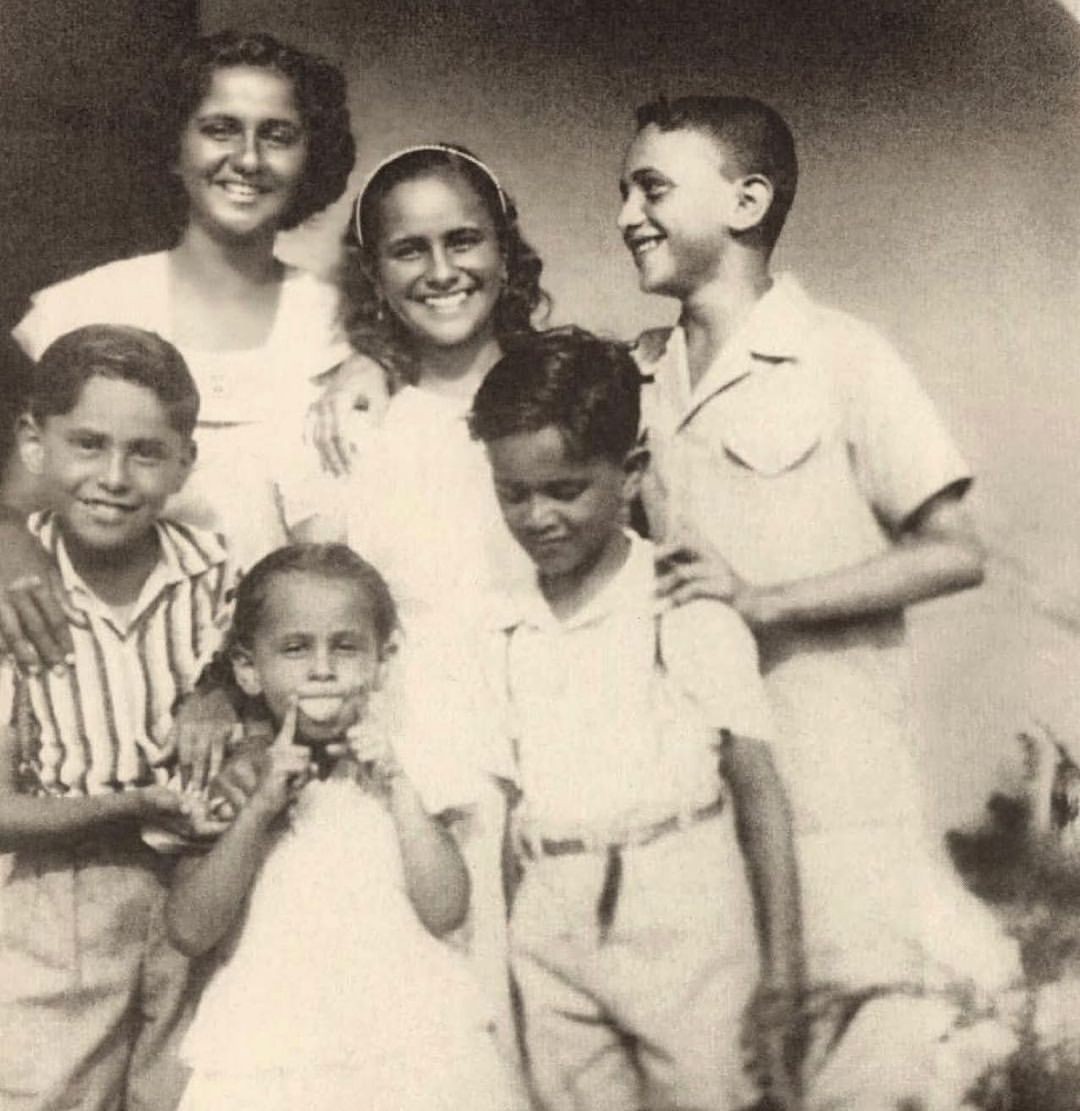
355 394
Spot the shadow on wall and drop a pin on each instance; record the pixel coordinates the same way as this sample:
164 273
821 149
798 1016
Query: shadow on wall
73 192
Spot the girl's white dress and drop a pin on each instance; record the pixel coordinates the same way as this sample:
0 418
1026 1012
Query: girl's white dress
333 996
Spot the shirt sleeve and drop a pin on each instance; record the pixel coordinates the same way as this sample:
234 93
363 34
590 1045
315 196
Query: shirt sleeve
709 650
904 454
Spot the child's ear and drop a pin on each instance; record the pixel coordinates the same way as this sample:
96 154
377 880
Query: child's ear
753 199
634 465
28 434
247 678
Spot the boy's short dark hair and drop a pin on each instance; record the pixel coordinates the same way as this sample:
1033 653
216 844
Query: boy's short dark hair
589 388
121 353
755 137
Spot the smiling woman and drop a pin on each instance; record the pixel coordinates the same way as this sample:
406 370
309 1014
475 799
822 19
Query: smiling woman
253 137
242 152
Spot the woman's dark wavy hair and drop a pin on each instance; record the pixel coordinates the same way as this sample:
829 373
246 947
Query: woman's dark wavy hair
330 561
320 93
375 332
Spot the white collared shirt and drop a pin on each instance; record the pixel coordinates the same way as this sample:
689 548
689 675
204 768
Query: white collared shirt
804 449
801 449
613 729
103 725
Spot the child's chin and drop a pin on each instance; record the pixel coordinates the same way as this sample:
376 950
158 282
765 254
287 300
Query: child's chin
318 734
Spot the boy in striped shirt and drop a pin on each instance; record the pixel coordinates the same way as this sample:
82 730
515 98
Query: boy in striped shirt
92 997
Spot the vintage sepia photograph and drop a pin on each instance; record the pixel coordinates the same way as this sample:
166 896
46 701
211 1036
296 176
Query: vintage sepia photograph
539 555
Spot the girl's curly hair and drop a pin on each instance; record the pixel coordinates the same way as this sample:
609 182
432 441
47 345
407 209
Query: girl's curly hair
375 332
320 91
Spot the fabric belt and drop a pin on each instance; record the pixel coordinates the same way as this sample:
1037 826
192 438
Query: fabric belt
536 847
612 847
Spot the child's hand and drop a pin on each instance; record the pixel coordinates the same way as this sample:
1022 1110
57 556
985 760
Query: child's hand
772 1038
286 769
689 567
370 745
156 804
204 727
192 823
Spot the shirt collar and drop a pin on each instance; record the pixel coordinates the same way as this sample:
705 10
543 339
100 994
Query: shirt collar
775 331
177 561
634 581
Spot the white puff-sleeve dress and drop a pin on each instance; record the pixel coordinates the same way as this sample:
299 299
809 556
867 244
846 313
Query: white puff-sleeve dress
333 996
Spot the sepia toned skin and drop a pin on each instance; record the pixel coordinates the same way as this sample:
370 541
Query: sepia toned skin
318 643
567 512
441 269
240 158
686 248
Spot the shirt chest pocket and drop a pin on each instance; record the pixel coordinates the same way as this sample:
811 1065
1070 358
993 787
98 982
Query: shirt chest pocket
776 421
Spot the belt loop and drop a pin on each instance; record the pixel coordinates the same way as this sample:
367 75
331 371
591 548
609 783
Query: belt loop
609 891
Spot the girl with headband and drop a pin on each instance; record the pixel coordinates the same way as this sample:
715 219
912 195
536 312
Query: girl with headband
438 281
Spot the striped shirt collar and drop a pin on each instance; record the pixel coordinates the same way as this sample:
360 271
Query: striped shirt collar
182 554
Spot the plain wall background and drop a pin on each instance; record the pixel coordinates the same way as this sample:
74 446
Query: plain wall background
940 197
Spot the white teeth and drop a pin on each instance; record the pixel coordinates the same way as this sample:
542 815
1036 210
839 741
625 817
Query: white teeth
240 190
107 509
446 302
322 708
643 246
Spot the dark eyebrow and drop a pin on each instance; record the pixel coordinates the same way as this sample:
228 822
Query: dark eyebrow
229 117
145 443
406 241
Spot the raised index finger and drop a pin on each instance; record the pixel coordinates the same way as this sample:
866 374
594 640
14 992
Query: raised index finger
287 733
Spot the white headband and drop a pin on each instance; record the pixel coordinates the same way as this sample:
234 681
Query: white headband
455 152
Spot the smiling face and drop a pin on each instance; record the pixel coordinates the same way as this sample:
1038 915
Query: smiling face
108 465
678 209
317 640
243 152
567 513
439 263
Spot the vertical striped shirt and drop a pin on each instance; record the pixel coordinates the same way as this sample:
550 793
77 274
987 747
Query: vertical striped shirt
103 725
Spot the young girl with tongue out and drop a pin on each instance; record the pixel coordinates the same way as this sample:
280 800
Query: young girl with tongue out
326 899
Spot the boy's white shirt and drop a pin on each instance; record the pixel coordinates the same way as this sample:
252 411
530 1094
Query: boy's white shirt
573 751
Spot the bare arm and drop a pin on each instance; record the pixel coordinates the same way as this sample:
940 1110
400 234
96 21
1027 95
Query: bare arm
33 821
209 892
763 823
772 1026
435 874
436 879
937 552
